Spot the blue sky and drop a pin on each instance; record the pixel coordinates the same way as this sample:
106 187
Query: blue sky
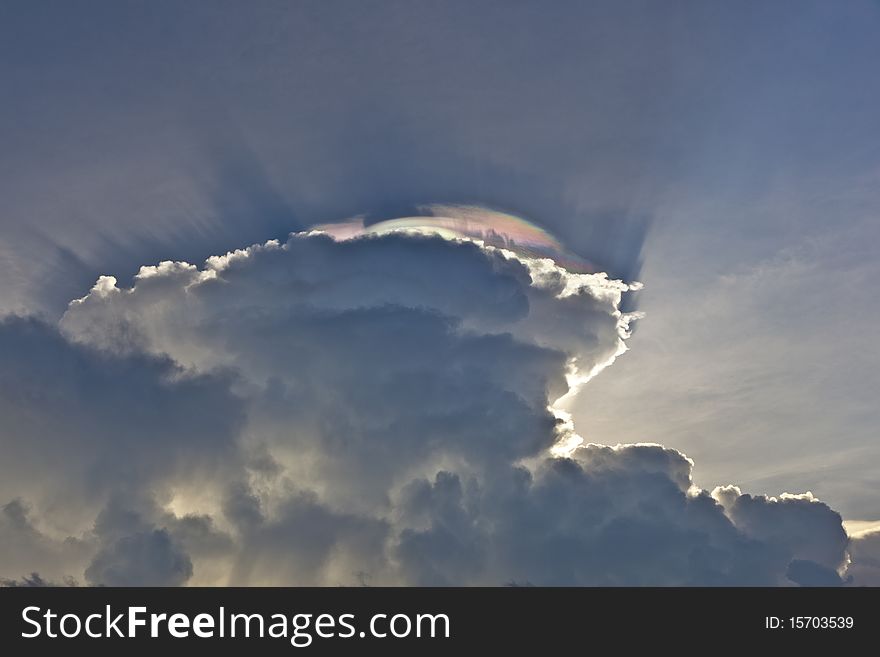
726 155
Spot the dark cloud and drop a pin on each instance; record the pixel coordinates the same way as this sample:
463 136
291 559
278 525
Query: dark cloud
91 424
798 524
307 542
382 410
23 548
810 573
865 556
141 559
609 516
83 429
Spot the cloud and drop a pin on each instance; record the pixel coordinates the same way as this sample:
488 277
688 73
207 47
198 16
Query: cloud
625 515
865 555
142 559
91 425
24 548
376 410
798 524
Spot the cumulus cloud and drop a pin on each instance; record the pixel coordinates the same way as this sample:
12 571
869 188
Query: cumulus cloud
81 426
381 409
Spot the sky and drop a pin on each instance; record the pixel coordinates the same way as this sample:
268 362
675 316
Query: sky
401 394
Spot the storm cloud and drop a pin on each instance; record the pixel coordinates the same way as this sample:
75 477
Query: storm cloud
387 409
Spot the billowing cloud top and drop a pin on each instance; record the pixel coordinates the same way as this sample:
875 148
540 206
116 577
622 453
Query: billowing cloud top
381 404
